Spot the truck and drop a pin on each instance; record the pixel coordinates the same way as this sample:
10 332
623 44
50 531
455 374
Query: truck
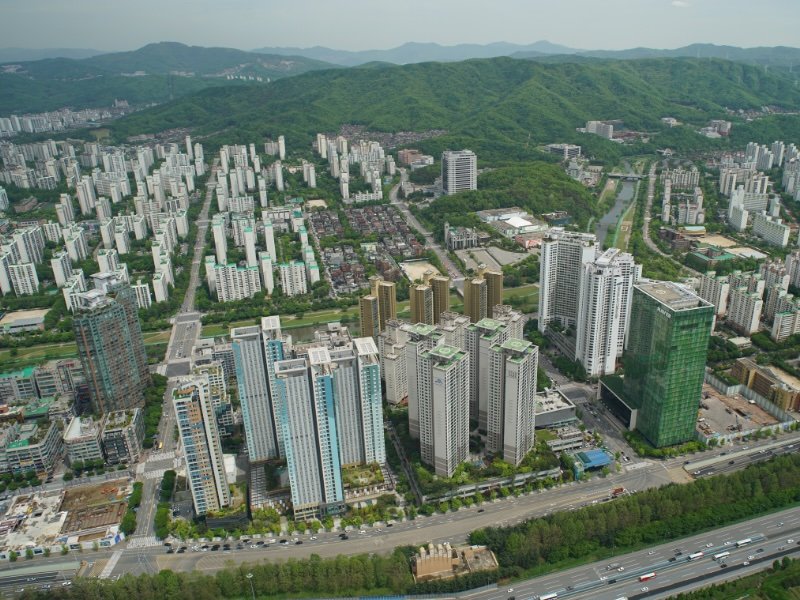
617 492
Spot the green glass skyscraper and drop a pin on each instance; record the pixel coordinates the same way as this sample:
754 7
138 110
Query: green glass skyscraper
665 360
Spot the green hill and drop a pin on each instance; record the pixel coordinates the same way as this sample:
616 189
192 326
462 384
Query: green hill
499 107
165 70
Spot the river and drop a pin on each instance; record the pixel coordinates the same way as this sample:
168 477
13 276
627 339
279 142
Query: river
611 218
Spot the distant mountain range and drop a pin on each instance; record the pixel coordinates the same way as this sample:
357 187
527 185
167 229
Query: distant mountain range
27 54
154 73
779 56
415 52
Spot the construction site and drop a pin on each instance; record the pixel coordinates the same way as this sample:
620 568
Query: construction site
77 517
726 415
93 508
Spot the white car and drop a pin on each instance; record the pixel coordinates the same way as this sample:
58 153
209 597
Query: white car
313 537
745 563
751 557
709 545
621 569
361 531
790 541
645 588
510 590
651 552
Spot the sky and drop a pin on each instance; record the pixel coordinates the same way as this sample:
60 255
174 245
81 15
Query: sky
113 25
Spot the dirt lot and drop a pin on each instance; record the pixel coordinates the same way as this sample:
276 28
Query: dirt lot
416 269
95 505
725 412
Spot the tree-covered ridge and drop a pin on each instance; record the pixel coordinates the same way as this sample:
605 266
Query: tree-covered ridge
500 107
53 83
537 187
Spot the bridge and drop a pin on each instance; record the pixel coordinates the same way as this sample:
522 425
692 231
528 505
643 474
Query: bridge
626 176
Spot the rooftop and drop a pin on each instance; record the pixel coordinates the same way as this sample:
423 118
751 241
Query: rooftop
672 295
23 317
516 345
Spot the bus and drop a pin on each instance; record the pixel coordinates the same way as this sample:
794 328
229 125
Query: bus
548 596
647 577
695 556
743 542
721 555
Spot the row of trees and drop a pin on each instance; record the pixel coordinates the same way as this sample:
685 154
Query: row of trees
645 518
128 525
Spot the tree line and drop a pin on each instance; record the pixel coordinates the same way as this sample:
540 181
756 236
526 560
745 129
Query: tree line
648 517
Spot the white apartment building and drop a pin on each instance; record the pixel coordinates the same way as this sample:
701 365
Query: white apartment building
236 283
62 267
293 278
744 310
142 290
254 357
197 427
771 229
24 279
512 399
459 171
715 290
562 259
606 289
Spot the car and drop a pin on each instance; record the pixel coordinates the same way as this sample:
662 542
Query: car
781 547
510 590
271 541
313 537
709 545
723 454
298 542
215 547
645 588
170 550
389 525
480 510
745 563
759 551
779 524
343 535
254 546
239 546
66 583
790 541
347 537
603 578
621 569
181 550
672 559
651 552
730 462
751 557
284 541
361 532
226 546
294 539
723 566
260 543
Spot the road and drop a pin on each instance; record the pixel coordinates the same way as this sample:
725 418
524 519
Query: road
453 271
600 581
185 330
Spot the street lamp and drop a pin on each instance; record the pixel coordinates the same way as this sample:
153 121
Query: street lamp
250 579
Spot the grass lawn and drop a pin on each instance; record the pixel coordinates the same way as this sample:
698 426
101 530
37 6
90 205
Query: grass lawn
44 352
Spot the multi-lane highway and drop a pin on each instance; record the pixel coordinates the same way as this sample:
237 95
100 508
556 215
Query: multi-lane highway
674 571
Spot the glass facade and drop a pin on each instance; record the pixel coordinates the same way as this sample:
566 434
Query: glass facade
665 360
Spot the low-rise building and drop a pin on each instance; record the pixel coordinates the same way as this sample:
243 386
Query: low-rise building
30 446
123 433
82 440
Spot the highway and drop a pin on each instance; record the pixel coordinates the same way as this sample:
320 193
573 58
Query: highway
601 581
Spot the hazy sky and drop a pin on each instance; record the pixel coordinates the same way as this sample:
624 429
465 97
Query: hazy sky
376 24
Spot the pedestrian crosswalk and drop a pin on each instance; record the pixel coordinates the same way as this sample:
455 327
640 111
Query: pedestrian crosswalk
112 562
143 541
154 473
169 455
